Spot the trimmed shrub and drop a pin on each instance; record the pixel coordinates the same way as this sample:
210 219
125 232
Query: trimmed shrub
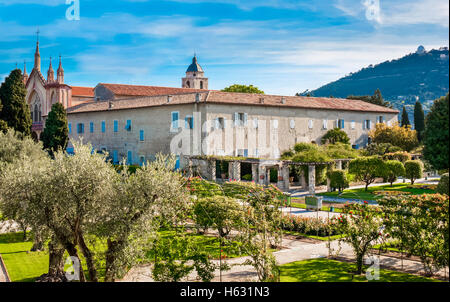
393 169
443 184
400 156
338 179
247 177
414 170
307 226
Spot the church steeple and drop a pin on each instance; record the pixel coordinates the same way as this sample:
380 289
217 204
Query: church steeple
37 55
60 77
25 74
195 76
50 73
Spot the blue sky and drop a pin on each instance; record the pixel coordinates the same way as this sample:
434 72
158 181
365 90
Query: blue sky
281 46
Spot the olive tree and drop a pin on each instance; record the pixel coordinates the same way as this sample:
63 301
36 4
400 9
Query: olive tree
132 215
367 169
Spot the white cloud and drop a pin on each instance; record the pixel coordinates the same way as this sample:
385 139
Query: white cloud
398 13
40 2
417 12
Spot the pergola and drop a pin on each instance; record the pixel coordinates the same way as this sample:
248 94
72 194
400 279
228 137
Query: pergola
260 169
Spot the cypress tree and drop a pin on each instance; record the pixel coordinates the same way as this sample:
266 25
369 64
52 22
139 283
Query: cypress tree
436 135
56 132
405 118
15 111
419 120
3 125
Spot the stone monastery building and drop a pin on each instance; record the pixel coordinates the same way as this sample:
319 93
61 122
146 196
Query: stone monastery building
134 123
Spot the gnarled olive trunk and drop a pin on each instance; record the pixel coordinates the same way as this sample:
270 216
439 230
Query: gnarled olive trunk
89 259
56 258
38 243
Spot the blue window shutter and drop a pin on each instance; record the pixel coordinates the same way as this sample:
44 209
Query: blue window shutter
177 163
245 152
115 157
116 126
343 124
103 126
130 157
91 126
128 125
70 127
174 120
141 135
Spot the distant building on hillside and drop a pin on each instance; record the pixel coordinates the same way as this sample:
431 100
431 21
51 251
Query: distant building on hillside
420 50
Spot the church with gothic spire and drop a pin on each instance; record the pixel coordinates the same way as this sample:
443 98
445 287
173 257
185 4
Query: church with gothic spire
135 122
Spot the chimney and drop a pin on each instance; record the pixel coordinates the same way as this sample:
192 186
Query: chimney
197 97
169 98
110 105
283 100
261 100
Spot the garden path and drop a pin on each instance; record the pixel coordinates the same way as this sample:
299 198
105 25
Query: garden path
293 250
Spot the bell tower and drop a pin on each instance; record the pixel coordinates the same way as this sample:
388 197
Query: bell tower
195 76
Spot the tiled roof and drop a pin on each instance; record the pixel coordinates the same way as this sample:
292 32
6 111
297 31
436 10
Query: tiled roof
136 90
295 101
231 98
82 91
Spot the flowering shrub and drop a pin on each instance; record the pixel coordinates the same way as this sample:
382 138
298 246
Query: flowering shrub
391 193
202 188
308 226
362 224
420 222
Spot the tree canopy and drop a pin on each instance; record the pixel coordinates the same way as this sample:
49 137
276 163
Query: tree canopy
402 137
405 118
15 111
335 135
436 134
56 132
419 120
376 99
243 88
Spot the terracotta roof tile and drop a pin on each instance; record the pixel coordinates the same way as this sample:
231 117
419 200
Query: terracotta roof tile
82 91
218 97
295 101
136 90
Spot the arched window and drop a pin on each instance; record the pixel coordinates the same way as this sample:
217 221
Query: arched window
201 84
36 113
188 84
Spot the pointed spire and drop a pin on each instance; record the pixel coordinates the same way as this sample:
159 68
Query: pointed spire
37 55
25 74
50 73
60 77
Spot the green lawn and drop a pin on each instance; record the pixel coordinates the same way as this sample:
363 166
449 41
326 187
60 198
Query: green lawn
26 266
302 205
326 270
22 265
368 195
